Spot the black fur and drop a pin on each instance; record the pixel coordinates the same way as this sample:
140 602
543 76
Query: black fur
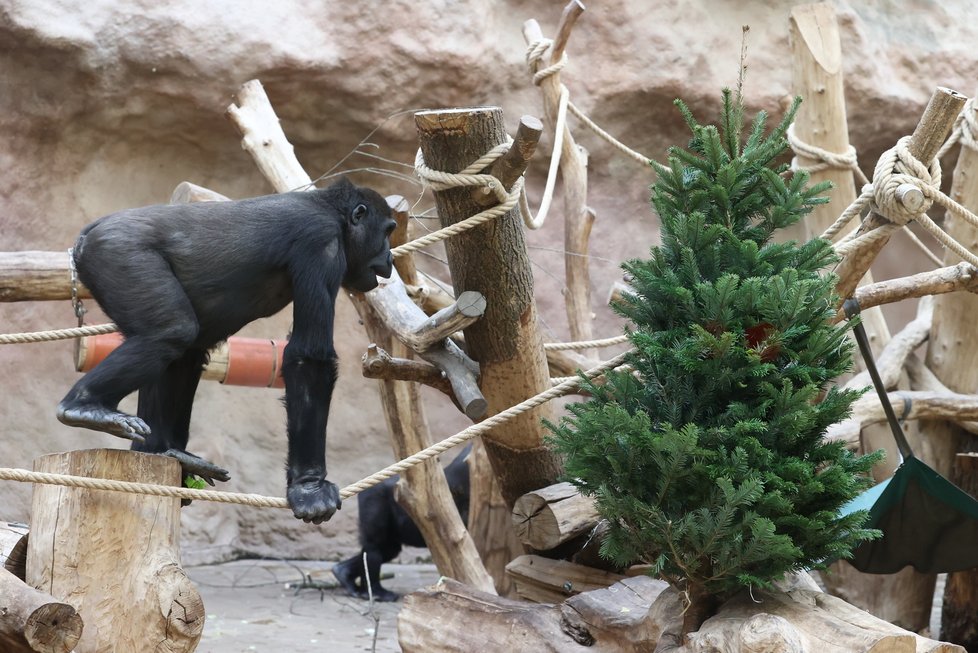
385 527
178 279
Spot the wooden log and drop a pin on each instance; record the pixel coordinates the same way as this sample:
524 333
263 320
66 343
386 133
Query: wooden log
921 378
543 580
13 548
36 276
423 490
578 217
821 121
799 622
468 308
959 612
378 364
923 406
450 617
931 132
46 276
953 278
34 621
263 138
492 260
186 193
636 614
511 165
550 516
115 556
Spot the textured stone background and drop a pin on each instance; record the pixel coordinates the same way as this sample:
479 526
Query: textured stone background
106 105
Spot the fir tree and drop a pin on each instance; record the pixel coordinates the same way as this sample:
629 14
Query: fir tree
709 460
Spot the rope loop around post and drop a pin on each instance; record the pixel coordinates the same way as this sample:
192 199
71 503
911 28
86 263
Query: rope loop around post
826 159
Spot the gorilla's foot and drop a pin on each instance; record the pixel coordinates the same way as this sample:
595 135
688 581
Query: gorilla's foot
192 464
346 576
100 418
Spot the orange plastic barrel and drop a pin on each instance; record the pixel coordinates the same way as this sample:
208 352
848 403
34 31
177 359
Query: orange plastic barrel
253 362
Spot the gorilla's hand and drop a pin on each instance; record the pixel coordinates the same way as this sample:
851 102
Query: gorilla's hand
313 500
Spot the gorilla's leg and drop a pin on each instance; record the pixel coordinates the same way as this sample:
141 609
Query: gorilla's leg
348 573
165 405
152 310
375 558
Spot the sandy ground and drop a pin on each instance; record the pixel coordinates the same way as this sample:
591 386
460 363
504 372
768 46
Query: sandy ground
253 605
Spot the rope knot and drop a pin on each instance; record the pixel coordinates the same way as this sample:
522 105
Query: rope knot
534 56
896 171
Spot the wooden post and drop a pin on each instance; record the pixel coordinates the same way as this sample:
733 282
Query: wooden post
115 556
36 276
821 121
578 217
959 615
492 260
952 355
637 614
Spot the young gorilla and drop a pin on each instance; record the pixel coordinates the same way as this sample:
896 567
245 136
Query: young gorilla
385 527
178 279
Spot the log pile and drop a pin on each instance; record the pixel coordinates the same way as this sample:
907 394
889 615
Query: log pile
638 614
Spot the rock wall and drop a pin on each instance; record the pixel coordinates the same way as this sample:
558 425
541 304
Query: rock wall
106 105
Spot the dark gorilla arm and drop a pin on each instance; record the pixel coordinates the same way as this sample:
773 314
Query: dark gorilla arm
310 371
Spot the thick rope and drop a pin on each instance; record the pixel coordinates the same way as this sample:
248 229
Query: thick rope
585 344
534 55
898 167
260 501
470 176
826 160
56 334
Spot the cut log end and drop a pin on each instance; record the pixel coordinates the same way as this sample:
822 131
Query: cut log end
54 627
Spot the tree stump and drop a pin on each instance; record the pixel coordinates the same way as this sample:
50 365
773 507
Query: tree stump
115 556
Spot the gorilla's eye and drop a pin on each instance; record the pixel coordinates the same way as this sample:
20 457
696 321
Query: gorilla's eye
359 213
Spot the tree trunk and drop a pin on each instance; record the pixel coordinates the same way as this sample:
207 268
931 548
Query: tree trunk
115 556
952 354
492 260
490 521
959 617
